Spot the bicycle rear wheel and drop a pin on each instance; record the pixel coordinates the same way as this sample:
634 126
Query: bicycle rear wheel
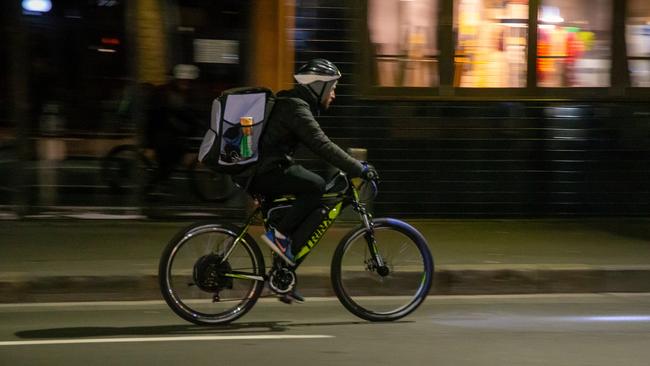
201 287
376 295
122 167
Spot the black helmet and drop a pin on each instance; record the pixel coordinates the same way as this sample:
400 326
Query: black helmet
319 76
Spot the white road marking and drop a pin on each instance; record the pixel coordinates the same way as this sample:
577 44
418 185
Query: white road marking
161 339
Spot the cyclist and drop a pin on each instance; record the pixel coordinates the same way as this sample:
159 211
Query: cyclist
292 123
171 119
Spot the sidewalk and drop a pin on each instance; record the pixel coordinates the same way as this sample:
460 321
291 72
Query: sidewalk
78 260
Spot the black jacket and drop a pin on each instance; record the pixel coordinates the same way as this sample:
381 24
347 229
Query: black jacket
291 123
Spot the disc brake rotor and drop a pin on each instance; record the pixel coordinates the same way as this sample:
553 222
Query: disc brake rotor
209 273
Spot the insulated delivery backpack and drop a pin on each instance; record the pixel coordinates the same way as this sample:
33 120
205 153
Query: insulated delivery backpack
238 119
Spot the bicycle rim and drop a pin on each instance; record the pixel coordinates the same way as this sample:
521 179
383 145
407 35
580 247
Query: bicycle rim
205 298
381 298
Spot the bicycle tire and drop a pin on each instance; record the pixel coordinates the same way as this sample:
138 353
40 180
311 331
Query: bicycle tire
209 185
182 262
120 168
370 296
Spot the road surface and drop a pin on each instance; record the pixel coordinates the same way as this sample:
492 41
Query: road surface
603 329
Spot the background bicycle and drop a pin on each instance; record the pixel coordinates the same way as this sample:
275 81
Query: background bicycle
8 168
127 167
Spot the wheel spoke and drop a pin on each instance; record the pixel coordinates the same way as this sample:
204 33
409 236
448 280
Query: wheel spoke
194 274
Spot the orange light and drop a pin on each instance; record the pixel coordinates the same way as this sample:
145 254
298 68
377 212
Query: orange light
110 41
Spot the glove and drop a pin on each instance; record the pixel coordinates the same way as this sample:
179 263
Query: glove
369 173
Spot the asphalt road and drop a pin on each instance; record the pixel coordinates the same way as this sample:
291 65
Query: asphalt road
604 329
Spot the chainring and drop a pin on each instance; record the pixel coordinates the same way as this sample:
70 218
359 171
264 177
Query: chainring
282 280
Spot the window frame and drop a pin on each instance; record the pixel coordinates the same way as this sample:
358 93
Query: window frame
633 89
620 87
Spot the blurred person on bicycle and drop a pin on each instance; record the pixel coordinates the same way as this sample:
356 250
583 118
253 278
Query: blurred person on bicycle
171 120
292 123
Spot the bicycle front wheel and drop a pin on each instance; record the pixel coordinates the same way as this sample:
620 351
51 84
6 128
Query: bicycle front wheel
207 279
382 293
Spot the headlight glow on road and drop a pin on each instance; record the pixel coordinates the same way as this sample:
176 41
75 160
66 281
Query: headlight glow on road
619 318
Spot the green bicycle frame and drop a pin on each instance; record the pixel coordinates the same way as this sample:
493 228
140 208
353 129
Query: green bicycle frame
320 231
338 201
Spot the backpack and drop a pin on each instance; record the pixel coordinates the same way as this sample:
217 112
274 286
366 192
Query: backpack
238 119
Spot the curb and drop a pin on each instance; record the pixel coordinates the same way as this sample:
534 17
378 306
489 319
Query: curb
446 282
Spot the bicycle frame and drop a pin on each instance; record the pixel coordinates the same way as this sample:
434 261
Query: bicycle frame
338 201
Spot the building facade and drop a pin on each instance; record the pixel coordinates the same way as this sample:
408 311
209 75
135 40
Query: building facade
462 119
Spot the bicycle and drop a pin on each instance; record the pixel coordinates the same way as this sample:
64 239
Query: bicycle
213 273
8 166
123 163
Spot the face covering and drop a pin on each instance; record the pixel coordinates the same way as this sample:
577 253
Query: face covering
322 89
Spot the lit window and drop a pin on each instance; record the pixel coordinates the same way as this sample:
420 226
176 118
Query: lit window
491 43
574 43
638 42
403 36
38 6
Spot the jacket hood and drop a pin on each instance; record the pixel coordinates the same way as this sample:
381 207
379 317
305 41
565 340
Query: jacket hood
303 93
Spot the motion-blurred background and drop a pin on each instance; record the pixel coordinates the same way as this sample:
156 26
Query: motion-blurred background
468 108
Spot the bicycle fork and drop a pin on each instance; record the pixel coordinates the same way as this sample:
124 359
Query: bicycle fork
377 261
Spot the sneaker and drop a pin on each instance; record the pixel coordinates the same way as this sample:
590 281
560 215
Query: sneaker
280 244
291 297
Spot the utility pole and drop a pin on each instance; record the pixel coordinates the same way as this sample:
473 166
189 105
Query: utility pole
19 100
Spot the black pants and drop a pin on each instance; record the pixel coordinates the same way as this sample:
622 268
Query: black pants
307 186
168 158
